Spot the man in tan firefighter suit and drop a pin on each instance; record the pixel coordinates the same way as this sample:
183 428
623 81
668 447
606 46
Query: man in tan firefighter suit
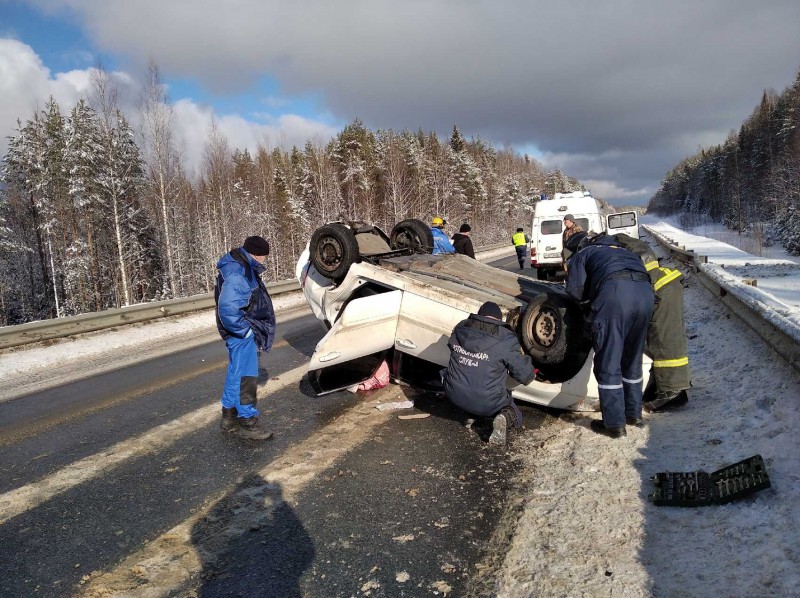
666 337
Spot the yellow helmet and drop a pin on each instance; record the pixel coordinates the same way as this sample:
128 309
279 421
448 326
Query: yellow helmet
438 221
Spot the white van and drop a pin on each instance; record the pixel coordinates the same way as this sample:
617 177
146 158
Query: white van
548 225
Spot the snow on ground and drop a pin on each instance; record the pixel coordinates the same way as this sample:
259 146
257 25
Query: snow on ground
585 526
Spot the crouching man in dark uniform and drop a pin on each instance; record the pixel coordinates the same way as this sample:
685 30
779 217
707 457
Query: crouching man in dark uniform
483 353
615 283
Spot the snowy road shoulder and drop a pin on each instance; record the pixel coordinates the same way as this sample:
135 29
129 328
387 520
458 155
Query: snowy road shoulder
588 528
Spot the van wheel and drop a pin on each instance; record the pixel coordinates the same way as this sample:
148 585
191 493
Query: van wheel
541 274
333 250
412 234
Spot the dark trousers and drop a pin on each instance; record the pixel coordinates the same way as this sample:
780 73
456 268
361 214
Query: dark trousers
621 313
522 252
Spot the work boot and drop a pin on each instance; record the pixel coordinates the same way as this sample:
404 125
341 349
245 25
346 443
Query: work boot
250 429
665 401
502 424
499 429
228 422
599 427
637 422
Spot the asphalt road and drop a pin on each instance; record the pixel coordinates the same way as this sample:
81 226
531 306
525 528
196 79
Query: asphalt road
122 484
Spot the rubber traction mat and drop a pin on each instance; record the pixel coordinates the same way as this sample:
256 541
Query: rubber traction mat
700 488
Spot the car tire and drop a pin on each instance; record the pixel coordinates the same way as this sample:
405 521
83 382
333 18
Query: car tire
552 333
333 250
541 274
412 234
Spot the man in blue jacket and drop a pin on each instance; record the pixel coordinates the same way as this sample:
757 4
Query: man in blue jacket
441 242
617 288
483 353
246 321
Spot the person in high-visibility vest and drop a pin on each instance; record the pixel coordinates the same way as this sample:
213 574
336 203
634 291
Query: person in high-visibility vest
520 241
667 342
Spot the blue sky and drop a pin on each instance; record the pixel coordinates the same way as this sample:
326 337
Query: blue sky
613 93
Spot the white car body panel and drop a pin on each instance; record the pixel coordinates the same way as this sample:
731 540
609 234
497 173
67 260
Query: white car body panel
417 317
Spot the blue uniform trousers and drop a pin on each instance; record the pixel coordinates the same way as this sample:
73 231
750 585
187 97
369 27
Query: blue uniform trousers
621 313
242 378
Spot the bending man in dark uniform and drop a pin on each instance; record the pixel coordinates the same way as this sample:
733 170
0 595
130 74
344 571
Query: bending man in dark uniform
483 353
615 283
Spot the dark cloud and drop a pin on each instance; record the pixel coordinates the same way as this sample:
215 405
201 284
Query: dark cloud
617 91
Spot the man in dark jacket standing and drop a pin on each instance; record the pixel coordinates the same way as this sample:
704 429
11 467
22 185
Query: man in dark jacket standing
246 321
462 242
483 353
615 283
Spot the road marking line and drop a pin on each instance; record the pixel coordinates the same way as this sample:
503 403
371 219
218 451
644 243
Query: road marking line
22 499
169 564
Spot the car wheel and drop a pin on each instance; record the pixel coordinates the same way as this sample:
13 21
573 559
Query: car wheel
541 274
333 250
412 234
553 334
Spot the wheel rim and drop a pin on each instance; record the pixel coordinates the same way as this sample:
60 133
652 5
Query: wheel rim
545 327
329 252
406 239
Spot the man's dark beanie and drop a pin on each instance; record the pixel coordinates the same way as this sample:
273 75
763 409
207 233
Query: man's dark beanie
256 246
519 230
491 310
464 228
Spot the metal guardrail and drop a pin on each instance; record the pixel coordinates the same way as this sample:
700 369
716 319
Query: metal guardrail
781 334
43 330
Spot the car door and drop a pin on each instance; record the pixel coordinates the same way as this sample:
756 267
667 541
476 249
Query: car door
356 344
623 222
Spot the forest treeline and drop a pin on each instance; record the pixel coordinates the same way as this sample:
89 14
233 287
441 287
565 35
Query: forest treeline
96 213
750 180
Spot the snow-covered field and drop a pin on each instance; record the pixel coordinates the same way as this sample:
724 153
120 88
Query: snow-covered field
585 526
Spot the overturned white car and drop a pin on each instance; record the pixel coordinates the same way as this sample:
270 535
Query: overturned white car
385 297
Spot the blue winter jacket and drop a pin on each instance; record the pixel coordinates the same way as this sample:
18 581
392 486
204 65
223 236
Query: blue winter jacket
593 265
243 303
483 353
441 243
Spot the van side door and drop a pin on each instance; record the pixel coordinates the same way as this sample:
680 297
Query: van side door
623 222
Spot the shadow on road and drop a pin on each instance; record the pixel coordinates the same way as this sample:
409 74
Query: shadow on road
252 544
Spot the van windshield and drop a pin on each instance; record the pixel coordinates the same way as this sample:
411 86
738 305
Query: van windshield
551 227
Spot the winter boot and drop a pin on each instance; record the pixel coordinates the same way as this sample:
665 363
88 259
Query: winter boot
250 429
228 422
664 401
599 427
499 430
502 424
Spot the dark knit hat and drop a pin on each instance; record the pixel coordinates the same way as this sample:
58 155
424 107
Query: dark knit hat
256 246
464 228
520 229
569 217
491 309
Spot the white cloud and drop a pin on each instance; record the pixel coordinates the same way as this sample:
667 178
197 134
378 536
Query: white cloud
193 124
25 84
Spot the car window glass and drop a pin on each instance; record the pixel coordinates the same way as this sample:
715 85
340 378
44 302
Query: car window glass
583 223
551 227
622 220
